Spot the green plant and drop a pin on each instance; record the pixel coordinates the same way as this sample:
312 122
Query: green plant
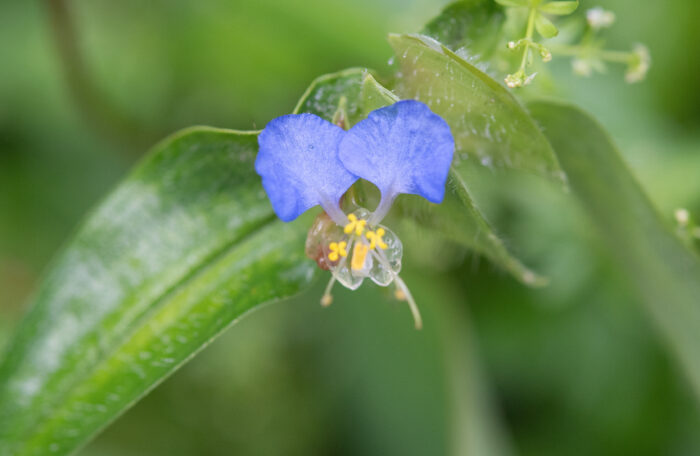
188 243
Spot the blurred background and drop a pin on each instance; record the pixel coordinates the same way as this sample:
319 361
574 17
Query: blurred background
576 368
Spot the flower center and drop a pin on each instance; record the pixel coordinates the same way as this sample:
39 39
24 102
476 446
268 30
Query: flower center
338 249
375 239
357 227
358 250
359 255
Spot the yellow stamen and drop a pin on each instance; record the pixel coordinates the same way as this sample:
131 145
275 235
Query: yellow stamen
358 226
358 256
375 239
326 300
350 226
338 249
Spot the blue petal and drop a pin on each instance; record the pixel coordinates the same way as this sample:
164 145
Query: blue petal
299 166
402 148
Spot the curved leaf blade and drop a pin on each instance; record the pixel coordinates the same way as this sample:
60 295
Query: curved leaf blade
490 127
545 27
664 274
183 248
513 3
325 92
457 218
473 26
475 427
374 95
559 8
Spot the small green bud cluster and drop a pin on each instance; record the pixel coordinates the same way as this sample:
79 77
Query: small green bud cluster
588 56
538 12
598 18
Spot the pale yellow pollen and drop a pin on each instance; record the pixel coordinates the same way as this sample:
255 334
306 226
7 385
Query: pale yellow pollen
350 226
375 239
338 249
358 256
358 226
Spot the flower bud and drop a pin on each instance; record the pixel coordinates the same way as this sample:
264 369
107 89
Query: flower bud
599 18
639 64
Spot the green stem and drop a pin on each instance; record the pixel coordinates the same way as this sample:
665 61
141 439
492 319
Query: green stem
577 50
528 36
566 50
615 56
104 117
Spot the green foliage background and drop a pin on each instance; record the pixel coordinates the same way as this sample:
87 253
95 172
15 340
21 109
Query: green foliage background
573 368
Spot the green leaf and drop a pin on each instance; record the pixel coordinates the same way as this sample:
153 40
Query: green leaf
473 26
490 127
476 429
457 218
323 95
374 95
185 246
558 8
545 27
513 3
664 274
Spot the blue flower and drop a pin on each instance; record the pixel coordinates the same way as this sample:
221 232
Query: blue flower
402 148
306 161
299 166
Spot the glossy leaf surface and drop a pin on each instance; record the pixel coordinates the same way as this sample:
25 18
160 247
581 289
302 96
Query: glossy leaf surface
324 95
471 26
457 218
374 95
490 126
181 249
664 274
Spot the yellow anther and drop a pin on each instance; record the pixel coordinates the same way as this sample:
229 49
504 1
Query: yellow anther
337 250
358 226
326 300
350 227
359 254
375 239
